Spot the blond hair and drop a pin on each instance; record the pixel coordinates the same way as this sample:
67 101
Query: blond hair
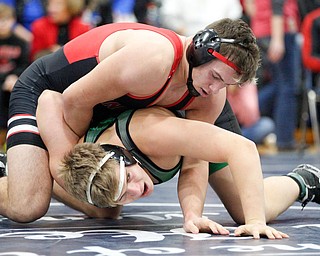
6 11
76 168
245 55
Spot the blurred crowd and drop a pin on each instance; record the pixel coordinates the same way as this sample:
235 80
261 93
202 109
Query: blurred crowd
287 32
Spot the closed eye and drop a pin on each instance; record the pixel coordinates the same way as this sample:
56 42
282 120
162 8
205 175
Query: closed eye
215 77
125 187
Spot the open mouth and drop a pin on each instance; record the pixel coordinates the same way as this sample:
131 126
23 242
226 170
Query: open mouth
204 92
145 189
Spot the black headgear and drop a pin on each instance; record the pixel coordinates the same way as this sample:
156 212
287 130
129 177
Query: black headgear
203 44
201 50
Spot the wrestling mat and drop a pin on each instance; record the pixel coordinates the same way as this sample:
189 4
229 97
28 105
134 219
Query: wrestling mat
153 226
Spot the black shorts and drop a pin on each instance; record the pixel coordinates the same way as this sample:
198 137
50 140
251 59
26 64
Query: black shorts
53 72
22 125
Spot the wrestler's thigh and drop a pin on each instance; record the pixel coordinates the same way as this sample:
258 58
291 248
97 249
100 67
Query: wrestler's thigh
222 183
29 182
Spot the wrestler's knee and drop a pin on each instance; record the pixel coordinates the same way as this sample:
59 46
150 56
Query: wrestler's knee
27 210
29 183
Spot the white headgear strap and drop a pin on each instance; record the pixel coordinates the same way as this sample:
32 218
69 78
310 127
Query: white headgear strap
122 175
93 174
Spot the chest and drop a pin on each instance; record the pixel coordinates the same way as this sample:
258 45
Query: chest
172 94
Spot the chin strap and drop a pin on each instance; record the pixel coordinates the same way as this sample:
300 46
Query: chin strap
190 86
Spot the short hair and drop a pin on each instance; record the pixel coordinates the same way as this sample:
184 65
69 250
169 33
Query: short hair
6 11
76 168
75 7
246 54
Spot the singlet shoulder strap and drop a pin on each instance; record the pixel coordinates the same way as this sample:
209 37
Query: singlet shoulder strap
94 132
161 175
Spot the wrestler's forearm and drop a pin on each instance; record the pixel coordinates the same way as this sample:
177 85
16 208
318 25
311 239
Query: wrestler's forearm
247 175
192 189
77 122
76 116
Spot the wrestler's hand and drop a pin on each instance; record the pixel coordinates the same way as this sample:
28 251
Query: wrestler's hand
259 229
203 224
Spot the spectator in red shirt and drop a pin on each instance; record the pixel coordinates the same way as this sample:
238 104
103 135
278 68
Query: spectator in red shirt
62 23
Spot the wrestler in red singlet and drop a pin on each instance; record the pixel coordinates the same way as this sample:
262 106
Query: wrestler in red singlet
60 69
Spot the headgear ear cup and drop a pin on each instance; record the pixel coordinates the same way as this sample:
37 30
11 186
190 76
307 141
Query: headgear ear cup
197 52
205 46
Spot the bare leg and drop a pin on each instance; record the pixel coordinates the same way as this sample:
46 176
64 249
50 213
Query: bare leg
107 213
280 193
25 194
222 183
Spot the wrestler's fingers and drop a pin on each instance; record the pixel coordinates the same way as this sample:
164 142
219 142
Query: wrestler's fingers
218 229
190 227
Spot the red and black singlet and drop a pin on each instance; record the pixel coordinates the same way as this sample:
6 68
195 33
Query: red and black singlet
78 51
